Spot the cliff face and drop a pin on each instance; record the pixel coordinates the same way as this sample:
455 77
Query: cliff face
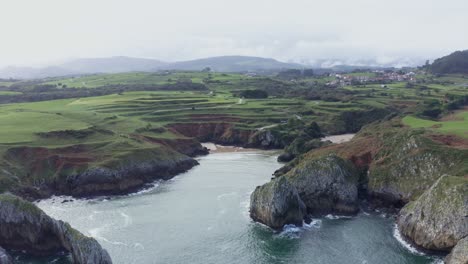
327 184
276 204
84 170
228 134
408 163
399 163
386 162
459 254
122 176
437 220
23 226
320 186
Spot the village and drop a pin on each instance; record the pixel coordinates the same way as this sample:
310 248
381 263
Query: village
373 77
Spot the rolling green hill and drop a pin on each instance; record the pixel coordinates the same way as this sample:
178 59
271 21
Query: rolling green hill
456 62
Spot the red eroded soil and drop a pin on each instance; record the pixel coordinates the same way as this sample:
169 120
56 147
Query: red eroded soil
450 140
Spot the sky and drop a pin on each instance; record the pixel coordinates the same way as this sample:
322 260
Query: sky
396 32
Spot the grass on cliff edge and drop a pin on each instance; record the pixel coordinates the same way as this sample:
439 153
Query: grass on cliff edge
458 126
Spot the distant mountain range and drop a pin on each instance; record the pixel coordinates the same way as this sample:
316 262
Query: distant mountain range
129 64
218 64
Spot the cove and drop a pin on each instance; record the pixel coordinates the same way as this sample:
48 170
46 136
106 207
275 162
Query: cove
202 217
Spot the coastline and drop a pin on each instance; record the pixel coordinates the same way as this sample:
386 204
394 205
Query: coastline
216 148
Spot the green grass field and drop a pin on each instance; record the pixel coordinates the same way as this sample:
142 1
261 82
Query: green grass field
124 113
459 126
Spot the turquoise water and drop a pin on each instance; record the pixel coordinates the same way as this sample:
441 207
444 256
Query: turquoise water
202 217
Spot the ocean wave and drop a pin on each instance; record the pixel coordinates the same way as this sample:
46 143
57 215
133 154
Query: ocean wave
397 235
153 186
127 219
291 231
224 195
315 223
96 233
334 217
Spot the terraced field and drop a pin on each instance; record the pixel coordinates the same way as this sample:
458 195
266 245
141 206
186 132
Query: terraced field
114 120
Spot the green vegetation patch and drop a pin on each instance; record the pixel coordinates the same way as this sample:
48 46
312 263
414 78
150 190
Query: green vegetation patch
458 126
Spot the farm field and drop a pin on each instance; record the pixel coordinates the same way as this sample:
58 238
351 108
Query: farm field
457 126
123 112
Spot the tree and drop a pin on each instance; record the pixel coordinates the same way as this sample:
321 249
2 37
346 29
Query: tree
256 94
308 73
313 130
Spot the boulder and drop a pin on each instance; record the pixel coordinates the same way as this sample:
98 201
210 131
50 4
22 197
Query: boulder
327 184
459 254
25 227
276 204
437 220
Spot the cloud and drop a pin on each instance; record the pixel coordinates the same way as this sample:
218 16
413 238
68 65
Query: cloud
297 30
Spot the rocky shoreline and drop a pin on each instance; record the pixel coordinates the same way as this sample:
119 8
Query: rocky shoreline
41 173
385 164
390 167
25 227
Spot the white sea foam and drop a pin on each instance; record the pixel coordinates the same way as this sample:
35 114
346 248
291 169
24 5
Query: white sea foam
333 217
408 246
138 246
224 195
146 190
127 219
291 231
315 223
96 233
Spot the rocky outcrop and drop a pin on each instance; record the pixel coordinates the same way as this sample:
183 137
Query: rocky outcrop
187 146
299 146
323 185
121 178
265 139
276 204
408 163
437 220
4 257
217 132
459 254
397 163
228 134
100 169
326 185
23 226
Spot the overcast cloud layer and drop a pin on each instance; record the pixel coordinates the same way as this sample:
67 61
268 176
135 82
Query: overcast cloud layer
396 32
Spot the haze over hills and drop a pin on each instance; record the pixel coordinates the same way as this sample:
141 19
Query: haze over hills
129 64
232 64
111 65
448 64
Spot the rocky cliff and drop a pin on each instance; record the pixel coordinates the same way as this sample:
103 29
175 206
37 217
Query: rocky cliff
323 185
94 169
276 204
437 220
228 134
23 226
326 185
409 162
123 175
459 254
385 162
